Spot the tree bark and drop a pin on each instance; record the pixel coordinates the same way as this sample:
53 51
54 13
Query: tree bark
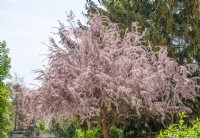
16 114
85 133
105 128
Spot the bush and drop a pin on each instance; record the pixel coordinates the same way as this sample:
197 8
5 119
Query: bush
91 133
41 125
182 130
116 132
97 133
64 129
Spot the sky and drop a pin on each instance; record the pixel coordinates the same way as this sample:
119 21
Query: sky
26 24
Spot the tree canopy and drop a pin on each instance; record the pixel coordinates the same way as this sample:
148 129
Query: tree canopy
4 61
95 74
171 23
5 118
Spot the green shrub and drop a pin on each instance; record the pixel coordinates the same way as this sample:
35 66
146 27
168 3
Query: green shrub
97 133
116 132
91 133
41 125
182 130
63 129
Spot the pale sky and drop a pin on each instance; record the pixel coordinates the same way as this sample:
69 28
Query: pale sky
26 24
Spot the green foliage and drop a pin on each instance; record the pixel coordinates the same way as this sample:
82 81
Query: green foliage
182 130
4 61
5 105
115 132
63 129
96 132
5 116
66 129
142 127
41 125
91 133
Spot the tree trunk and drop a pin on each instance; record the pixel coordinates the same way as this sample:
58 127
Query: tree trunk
105 128
16 114
85 131
15 124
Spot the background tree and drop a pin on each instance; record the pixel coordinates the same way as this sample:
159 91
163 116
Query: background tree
19 118
5 116
171 23
108 78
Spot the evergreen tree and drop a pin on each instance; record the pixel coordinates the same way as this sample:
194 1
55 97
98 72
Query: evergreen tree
15 87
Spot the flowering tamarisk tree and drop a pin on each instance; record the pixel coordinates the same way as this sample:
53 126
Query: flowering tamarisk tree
93 73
